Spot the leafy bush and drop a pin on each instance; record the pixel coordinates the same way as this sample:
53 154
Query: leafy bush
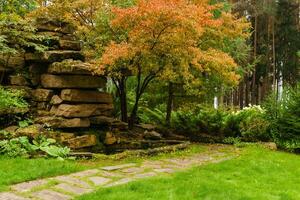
200 118
252 123
284 117
23 147
10 99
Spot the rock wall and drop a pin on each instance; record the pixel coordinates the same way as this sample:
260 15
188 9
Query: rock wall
63 93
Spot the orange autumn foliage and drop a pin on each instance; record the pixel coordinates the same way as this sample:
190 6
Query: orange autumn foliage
163 40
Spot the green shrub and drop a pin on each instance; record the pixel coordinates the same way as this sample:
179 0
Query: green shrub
200 118
252 123
284 118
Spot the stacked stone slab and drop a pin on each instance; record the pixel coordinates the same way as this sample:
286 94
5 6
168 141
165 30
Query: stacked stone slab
71 95
59 85
66 93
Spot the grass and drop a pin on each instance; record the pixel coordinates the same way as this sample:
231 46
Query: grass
257 174
16 170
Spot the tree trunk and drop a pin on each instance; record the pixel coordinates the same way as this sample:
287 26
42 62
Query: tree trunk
253 91
123 102
241 95
133 115
169 104
121 88
247 101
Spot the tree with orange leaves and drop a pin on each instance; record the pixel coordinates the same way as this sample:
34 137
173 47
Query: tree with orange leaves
162 39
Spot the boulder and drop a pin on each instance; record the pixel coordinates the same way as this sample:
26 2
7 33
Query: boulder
86 96
43 106
59 122
56 100
32 131
61 136
54 56
42 95
11 129
152 135
108 121
18 80
147 127
72 81
45 24
70 66
82 142
81 110
70 45
12 61
110 139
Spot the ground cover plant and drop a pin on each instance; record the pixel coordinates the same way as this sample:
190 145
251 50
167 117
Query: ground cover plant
256 174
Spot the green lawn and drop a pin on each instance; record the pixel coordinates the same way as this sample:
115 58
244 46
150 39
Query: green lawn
15 170
256 174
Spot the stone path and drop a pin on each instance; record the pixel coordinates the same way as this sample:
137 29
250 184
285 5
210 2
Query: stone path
69 186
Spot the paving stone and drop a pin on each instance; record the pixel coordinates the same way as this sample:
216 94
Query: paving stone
202 158
72 189
111 174
132 170
72 180
11 196
90 172
145 175
165 170
120 182
152 164
27 186
97 180
50 195
117 167
181 162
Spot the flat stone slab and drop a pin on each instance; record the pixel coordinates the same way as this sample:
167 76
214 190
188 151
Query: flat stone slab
70 66
86 96
120 182
97 180
72 189
54 56
117 167
111 174
73 181
11 196
145 175
50 195
202 158
82 141
153 164
81 110
165 170
86 173
133 170
60 122
27 186
72 81
181 162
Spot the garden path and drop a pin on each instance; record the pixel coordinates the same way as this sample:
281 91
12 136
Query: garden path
69 186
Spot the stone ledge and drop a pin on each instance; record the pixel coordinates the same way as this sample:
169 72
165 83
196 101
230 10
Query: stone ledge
72 81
